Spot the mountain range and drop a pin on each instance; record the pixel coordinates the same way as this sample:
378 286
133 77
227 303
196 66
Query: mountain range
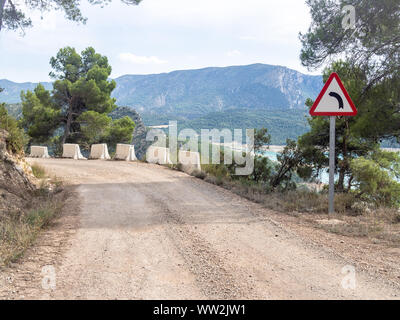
233 97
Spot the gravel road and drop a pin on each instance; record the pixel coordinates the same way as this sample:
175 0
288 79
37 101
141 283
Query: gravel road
141 231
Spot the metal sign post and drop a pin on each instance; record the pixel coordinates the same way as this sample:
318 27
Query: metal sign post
333 101
332 137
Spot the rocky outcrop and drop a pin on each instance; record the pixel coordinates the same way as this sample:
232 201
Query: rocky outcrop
16 188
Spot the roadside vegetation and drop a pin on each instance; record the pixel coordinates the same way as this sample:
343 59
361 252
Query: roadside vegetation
38 171
20 228
77 109
19 231
362 211
366 57
16 138
35 206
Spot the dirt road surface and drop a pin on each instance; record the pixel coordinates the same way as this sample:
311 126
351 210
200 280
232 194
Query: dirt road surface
141 231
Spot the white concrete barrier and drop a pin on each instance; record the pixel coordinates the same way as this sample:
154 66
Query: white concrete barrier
99 151
189 160
39 152
72 151
158 155
125 152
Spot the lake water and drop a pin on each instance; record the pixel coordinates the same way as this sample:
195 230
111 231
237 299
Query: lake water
271 155
323 177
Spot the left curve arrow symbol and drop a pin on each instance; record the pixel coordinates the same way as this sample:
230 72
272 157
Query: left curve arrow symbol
339 99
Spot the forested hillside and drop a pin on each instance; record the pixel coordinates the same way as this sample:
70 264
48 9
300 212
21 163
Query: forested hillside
196 92
281 124
251 96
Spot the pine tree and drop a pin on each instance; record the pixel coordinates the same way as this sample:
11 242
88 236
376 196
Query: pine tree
76 111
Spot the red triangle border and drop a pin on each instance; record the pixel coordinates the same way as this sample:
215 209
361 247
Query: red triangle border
346 94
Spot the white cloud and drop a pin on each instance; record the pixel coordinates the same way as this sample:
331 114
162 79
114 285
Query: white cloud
234 53
132 58
248 38
161 36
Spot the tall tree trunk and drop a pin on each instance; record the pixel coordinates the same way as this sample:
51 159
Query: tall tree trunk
349 183
344 162
2 5
67 129
340 185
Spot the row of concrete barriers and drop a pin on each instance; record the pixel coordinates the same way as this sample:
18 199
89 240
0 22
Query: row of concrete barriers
189 160
97 151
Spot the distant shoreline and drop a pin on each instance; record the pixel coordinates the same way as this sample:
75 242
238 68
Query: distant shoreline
275 148
391 149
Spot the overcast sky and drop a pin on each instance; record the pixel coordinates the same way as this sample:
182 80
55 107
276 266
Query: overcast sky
163 35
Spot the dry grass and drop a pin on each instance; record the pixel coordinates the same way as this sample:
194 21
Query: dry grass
38 171
18 232
306 201
378 224
369 228
199 174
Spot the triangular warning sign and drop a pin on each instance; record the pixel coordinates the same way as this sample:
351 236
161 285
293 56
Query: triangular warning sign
333 100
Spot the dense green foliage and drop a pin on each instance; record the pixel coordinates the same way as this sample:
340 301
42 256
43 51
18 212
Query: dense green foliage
120 131
290 163
283 174
94 127
16 137
12 17
350 140
77 109
100 128
377 177
371 74
372 43
40 115
267 175
370 49
261 139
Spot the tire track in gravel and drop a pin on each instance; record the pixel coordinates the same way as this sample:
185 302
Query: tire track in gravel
215 278
147 232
